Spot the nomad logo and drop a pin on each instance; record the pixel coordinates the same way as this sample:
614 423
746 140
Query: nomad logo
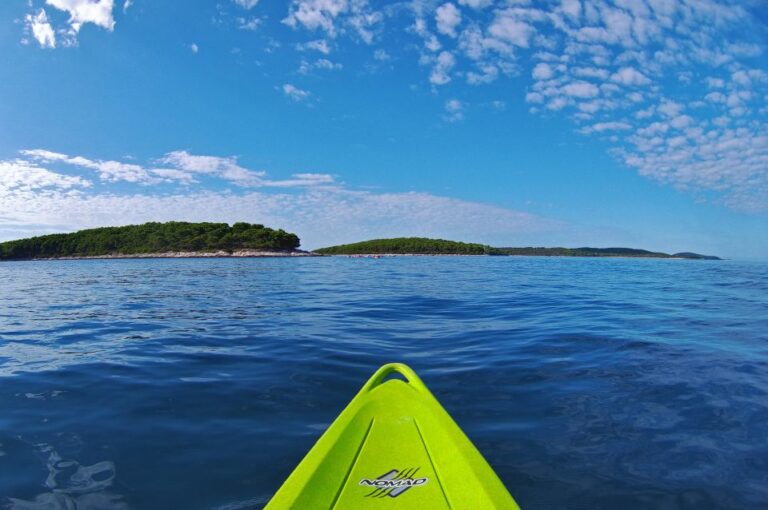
393 483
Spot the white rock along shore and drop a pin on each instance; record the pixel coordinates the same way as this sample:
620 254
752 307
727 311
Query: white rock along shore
191 254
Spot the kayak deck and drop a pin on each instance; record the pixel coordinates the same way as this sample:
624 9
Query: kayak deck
393 446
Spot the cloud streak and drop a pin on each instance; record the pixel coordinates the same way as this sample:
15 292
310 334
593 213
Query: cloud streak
179 167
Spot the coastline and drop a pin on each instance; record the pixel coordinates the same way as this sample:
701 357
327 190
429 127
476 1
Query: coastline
302 253
382 255
188 255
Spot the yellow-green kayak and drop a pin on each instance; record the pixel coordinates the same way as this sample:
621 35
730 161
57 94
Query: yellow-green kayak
393 446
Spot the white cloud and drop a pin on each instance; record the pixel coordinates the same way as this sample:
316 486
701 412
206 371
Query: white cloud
250 24
246 4
81 12
41 30
571 8
442 68
320 45
127 5
302 180
630 76
98 12
324 63
447 17
591 72
335 17
110 171
534 97
295 93
173 175
557 104
476 4
715 83
321 63
681 121
454 110
316 14
18 177
499 105
194 48
726 160
715 97
508 27
488 73
606 126
227 168
175 167
44 155
580 89
670 108
542 71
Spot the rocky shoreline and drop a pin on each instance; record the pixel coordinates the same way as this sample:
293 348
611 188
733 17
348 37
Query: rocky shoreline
191 255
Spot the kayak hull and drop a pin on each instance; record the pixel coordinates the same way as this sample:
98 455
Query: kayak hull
393 446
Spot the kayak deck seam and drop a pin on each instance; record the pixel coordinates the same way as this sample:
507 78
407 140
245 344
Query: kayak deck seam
352 464
431 462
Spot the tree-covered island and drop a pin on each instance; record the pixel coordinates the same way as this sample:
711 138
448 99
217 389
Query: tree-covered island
426 246
408 246
173 238
182 239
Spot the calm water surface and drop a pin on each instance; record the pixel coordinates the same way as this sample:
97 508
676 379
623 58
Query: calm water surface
199 384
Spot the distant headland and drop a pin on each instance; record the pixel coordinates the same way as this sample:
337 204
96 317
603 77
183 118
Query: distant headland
177 239
426 246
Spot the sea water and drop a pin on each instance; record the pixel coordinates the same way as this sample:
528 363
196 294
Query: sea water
199 384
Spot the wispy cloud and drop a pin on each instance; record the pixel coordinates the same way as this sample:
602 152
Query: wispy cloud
179 167
295 93
42 31
454 110
320 45
110 171
247 4
20 178
323 64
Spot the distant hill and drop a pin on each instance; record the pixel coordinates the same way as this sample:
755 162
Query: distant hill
408 245
426 246
173 236
691 255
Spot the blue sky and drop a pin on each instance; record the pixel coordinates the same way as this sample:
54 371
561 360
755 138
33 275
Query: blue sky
638 123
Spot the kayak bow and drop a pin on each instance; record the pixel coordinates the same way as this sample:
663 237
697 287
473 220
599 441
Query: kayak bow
393 446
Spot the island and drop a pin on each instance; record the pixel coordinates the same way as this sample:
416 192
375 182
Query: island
170 239
408 246
426 246
176 239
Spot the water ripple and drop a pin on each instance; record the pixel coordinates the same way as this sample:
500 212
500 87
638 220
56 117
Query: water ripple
587 383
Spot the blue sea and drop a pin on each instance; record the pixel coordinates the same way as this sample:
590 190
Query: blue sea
199 384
